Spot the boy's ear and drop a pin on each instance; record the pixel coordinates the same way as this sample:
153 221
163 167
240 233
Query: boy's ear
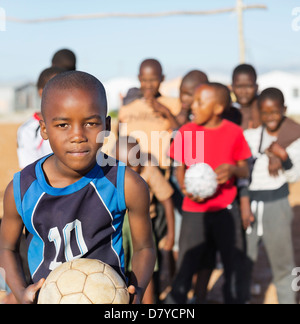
219 109
43 130
163 78
40 91
285 109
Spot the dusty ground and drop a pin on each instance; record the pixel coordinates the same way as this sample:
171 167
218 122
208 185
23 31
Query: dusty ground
262 275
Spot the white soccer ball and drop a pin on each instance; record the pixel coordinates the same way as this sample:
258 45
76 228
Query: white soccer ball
201 181
84 281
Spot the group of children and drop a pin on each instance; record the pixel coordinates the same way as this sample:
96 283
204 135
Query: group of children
135 211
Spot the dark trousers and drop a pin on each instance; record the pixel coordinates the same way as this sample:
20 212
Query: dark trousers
202 235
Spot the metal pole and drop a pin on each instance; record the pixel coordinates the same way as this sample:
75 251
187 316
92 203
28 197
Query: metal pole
242 46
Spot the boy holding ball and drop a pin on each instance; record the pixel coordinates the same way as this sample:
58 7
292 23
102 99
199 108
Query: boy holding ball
210 224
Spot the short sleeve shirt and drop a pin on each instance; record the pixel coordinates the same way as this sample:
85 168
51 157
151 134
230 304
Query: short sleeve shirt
225 144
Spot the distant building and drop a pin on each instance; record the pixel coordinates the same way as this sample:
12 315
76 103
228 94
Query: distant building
288 83
26 97
15 98
7 99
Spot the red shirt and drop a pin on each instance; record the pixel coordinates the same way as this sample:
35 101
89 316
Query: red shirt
225 144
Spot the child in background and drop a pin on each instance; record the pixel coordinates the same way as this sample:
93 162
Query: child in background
190 82
269 190
64 59
128 151
245 88
212 223
151 119
70 190
31 145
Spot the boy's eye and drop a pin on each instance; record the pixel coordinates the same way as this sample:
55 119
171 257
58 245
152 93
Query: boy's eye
62 125
91 124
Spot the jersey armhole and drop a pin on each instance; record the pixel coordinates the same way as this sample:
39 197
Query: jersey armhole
17 193
121 186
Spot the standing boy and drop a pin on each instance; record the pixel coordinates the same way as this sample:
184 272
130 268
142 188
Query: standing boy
68 191
245 88
269 190
212 223
190 82
151 118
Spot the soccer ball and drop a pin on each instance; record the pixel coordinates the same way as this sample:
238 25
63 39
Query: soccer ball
84 281
201 181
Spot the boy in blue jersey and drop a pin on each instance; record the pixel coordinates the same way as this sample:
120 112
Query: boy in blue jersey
72 206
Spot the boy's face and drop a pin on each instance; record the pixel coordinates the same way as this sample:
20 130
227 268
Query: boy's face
150 80
245 88
187 91
205 107
72 121
272 114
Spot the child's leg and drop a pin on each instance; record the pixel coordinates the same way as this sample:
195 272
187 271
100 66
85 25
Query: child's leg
253 238
278 217
191 249
229 238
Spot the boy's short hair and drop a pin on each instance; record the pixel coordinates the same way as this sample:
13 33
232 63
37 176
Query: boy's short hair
65 59
77 80
152 63
222 94
47 75
272 94
244 69
195 76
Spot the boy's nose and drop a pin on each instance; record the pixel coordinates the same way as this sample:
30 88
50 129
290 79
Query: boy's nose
78 135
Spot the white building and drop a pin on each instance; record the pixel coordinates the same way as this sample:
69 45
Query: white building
7 99
288 83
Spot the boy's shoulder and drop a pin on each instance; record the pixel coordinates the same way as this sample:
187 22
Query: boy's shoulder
253 132
173 104
231 126
140 104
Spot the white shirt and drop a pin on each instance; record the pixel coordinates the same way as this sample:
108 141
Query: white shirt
31 145
261 178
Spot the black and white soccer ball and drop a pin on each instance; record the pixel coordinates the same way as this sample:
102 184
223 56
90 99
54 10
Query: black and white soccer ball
201 181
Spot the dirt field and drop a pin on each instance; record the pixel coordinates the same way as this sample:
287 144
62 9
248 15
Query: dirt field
262 276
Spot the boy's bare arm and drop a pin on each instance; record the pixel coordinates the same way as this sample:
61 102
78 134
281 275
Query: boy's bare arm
144 256
170 218
226 171
11 230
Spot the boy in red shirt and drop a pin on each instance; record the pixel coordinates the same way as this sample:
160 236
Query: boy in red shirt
211 224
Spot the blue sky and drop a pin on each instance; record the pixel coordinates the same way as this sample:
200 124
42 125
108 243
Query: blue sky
115 47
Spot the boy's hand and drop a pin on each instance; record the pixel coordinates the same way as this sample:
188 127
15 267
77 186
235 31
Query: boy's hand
247 218
135 295
224 173
278 151
198 200
167 243
30 293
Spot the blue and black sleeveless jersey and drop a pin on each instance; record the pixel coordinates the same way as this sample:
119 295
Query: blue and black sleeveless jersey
83 220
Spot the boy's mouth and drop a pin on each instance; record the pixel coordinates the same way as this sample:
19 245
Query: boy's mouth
79 153
272 125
